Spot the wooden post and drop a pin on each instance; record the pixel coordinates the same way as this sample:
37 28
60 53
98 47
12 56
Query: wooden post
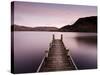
53 37
50 45
61 37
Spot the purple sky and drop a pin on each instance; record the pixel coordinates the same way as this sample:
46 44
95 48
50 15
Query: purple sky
44 14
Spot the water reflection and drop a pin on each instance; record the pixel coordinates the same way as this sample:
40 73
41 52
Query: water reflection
83 50
29 48
87 39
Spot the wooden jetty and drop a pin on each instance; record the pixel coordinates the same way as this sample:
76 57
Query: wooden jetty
57 58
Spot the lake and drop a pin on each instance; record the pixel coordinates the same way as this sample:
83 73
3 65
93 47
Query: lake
30 46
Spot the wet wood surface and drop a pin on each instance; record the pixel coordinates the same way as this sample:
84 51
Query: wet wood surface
57 59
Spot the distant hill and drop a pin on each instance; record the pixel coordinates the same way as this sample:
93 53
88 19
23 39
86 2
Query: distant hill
20 28
86 24
45 28
23 28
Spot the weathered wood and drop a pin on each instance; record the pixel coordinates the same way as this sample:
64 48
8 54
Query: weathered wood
53 37
58 58
61 37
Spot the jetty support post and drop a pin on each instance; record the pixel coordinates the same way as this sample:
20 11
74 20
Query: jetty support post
53 37
50 45
61 37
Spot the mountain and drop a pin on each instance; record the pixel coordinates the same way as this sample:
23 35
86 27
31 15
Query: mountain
24 28
86 24
20 28
45 29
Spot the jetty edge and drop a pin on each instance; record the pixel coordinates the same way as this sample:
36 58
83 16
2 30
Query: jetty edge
57 58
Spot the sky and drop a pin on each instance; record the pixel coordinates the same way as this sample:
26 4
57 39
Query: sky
50 15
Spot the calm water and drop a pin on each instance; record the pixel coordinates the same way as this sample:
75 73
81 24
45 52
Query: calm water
29 48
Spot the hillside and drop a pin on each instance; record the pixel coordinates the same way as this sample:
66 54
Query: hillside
86 24
23 28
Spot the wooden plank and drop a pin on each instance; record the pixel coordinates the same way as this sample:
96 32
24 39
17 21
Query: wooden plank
58 58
